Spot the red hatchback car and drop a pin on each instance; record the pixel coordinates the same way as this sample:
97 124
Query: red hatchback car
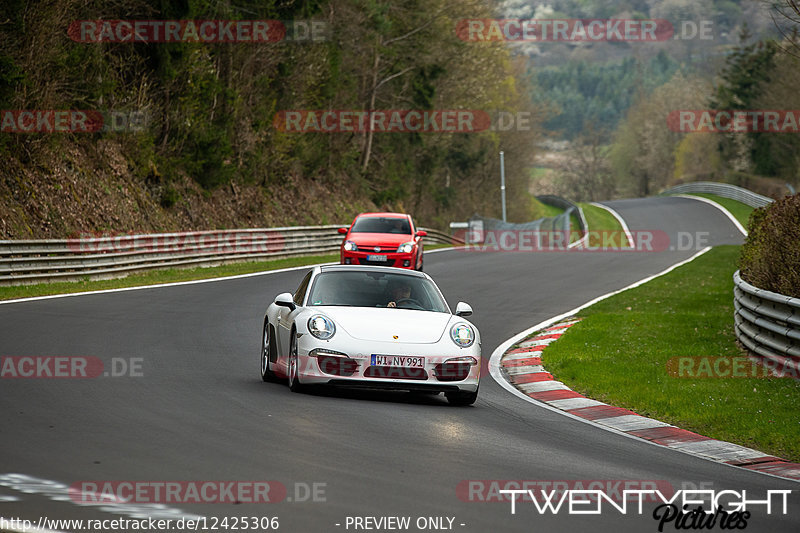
382 239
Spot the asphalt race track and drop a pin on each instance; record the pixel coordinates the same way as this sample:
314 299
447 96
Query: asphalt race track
200 411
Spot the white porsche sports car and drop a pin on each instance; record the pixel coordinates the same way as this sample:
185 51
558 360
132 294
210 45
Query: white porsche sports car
371 327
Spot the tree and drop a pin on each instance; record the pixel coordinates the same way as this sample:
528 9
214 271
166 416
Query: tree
642 154
585 172
744 77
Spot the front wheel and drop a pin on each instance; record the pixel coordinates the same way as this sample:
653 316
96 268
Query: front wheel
461 398
294 366
266 372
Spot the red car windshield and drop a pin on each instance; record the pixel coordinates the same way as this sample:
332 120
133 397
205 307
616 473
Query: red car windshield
381 225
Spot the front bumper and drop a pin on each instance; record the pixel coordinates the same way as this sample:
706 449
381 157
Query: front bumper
351 366
393 259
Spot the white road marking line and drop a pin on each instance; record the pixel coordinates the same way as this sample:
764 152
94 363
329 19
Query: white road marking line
625 229
497 374
159 285
60 492
727 213
176 283
442 250
580 243
497 354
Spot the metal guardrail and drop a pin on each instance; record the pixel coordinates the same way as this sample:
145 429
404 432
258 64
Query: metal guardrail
566 205
92 257
721 189
474 229
556 201
767 324
569 207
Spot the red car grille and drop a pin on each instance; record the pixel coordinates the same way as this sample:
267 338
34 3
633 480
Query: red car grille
395 372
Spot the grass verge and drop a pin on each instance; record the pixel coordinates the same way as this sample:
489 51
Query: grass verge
619 353
541 210
155 277
599 219
739 210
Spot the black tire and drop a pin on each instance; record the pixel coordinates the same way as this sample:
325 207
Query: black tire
419 265
294 366
266 346
462 398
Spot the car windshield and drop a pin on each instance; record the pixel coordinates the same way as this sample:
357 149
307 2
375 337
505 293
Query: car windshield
376 289
381 225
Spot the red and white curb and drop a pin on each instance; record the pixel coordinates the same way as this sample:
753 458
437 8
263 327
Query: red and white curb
522 367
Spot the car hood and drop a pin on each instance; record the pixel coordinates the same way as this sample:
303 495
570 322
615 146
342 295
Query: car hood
389 324
380 239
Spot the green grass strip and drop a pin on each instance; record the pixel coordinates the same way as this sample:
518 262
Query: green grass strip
618 354
599 219
550 211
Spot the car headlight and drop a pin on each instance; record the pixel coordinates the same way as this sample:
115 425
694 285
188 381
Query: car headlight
462 334
321 327
405 248
350 246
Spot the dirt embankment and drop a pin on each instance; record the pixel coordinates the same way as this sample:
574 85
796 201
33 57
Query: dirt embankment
95 188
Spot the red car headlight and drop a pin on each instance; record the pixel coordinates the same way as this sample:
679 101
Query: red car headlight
405 248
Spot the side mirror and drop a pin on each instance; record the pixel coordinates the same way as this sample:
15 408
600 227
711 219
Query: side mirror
463 309
422 233
285 300
343 231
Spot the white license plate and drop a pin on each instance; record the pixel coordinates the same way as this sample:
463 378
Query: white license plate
404 361
376 258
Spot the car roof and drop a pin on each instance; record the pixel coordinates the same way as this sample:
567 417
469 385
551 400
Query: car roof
367 268
387 215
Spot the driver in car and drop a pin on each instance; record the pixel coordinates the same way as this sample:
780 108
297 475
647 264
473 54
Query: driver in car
399 293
